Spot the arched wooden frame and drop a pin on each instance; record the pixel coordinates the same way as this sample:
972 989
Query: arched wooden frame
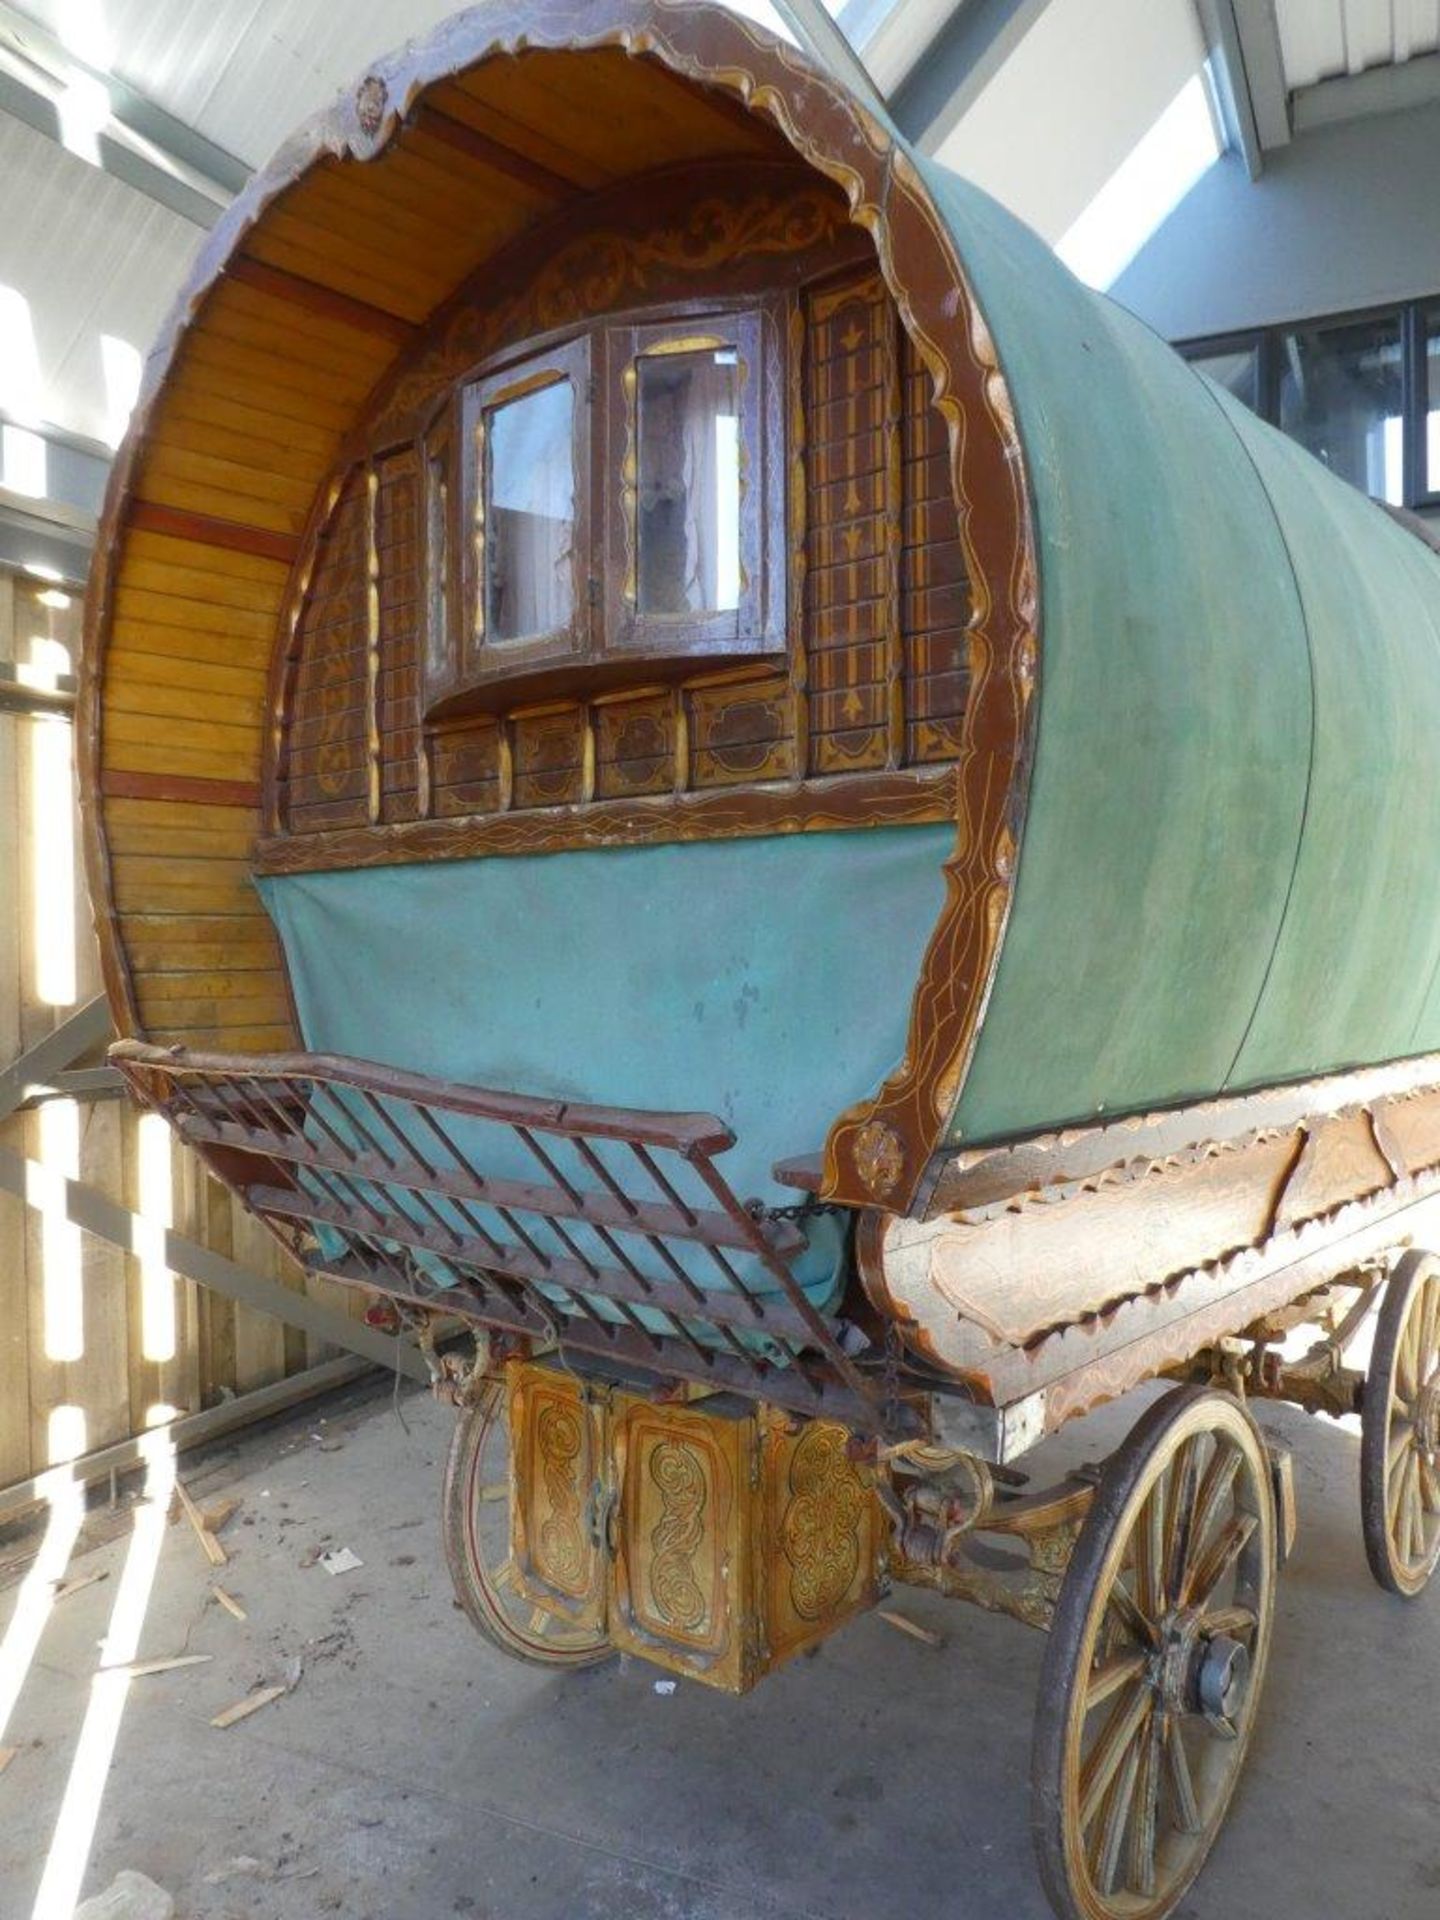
880 1151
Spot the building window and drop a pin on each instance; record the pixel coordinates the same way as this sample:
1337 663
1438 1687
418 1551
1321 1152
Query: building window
1341 396
614 507
1237 369
1431 476
1361 393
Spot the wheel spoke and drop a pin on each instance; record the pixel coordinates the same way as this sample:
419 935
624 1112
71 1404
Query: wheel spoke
1429 1485
1111 1675
1187 1807
1104 1758
1407 1381
540 1621
1140 1628
1217 1562
504 1576
1118 1805
1414 1515
1214 1491
1182 1518
1149 1544
1238 1622
1401 1434
1395 1493
1140 1870
1429 1330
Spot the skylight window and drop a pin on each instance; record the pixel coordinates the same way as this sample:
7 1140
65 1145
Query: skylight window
1146 188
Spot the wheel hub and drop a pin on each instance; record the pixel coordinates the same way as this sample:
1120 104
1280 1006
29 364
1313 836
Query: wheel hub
1195 1672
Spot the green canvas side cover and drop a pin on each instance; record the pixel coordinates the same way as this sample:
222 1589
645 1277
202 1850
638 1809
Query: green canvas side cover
764 980
1227 875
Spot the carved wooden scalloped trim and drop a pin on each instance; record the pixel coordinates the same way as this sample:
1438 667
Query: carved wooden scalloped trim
879 1150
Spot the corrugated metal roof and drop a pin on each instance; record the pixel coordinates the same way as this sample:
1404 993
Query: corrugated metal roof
242 72
1321 39
90 256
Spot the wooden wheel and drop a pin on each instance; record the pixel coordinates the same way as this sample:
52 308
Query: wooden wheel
1155 1661
1400 1431
475 1520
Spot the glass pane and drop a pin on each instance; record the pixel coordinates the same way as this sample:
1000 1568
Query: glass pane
1432 405
1340 396
1237 370
530 514
688 483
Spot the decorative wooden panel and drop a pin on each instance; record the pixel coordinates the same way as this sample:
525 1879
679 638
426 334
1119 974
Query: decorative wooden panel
635 746
877 677
328 783
934 592
852 460
742 733
400 586
550 751
466 768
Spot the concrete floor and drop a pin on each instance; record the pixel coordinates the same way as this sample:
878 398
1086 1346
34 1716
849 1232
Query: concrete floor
412 1774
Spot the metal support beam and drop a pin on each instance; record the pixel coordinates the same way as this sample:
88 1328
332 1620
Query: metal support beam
960 63
143 145
118 1227
86 1084
88 1027
1263 61
1227 65
191 1430
1355 96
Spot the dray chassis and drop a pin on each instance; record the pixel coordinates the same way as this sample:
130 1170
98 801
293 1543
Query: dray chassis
716 1477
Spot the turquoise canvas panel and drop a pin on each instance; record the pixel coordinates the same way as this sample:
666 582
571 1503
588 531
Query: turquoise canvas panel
767 981
1354 964
1173 727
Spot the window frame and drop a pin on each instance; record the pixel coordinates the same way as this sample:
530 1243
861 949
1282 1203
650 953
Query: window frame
608 640
1421 490
482 660
629 631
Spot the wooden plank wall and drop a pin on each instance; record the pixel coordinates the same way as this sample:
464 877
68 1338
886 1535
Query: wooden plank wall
74 1371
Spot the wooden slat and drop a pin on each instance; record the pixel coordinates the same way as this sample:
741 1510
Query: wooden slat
353 268
184 703
196 402
515 168
193 644
248 571
358 316
207 530
172 610
452 97
156 753
160 489
124 668
330 395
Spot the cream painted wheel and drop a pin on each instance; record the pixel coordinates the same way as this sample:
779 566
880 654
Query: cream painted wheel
475 1520
1155 1662
1400 1431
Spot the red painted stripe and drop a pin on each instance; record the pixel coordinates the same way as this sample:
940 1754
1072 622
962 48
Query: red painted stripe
325 301
148 517
190 788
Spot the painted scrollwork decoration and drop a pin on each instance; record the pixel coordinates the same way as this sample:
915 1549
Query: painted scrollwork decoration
562 1543
678 1534
820 1531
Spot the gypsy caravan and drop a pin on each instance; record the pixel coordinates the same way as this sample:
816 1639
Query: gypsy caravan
698 763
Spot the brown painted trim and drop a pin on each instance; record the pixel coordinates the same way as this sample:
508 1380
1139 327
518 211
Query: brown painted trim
493 153
324 301
147 516
875 800
191 789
